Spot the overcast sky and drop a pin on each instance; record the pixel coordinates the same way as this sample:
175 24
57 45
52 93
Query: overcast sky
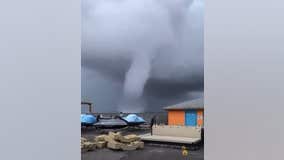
141 55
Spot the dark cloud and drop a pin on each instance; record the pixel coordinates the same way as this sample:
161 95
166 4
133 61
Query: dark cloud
141 55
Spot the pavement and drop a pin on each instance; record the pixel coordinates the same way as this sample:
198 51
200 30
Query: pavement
148 153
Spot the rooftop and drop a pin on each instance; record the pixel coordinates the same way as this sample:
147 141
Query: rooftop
192 104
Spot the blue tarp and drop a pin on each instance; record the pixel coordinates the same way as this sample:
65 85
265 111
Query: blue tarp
133 118
89 119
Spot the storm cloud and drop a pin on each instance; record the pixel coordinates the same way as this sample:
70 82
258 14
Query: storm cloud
140 55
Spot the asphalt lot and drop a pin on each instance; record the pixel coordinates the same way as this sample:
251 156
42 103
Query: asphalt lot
148 153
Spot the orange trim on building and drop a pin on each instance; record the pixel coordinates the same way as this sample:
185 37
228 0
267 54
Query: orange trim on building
200 117
176 117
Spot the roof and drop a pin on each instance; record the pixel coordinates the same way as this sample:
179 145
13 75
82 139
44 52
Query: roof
192 104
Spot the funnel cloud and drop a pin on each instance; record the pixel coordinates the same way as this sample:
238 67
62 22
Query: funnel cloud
141 55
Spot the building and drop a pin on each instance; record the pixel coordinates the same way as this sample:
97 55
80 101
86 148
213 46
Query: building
189 113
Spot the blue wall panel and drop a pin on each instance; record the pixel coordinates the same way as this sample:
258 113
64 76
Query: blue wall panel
191 118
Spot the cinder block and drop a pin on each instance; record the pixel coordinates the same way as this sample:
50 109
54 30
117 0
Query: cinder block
114 145
83 139
140 144
101 144
115 136
100 138
88 146
129 147
129 138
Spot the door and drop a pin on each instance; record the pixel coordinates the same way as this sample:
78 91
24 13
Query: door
191 118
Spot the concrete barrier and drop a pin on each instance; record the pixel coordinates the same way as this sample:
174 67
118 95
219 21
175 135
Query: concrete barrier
177 131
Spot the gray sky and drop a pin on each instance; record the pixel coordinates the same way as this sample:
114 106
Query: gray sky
141 55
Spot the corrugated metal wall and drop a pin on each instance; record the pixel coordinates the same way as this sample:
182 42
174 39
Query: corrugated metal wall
176 117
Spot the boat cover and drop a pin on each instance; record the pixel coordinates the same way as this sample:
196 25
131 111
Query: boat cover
88 119
133 118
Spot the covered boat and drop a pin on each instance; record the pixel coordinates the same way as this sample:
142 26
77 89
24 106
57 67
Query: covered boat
87 119
110 123
133 119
